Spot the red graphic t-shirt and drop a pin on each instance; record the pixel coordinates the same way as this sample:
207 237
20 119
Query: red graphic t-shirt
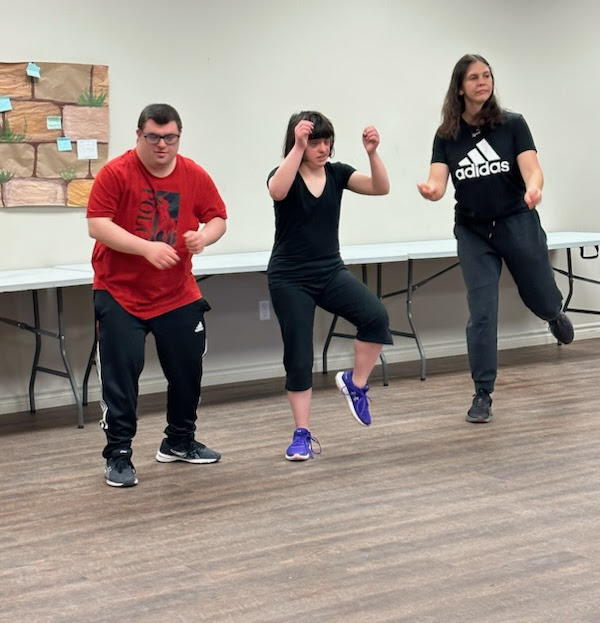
153 208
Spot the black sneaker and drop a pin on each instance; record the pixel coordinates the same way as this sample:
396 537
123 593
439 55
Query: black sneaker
562 328
120 471
195 452
481 409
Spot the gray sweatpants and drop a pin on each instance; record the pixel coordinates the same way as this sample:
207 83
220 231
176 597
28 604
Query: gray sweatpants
520 241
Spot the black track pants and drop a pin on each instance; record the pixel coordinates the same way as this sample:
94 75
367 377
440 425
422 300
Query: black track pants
180 344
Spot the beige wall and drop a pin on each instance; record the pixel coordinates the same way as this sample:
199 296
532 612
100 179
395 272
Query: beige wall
236 70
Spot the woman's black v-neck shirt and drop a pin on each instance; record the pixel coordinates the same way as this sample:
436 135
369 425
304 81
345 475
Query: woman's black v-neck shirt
307 227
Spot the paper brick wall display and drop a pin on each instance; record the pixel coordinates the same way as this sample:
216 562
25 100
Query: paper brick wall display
53 132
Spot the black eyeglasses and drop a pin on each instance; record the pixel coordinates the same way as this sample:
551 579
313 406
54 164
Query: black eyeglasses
169 139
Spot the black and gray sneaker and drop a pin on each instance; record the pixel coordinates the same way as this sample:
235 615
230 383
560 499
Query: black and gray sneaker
562 328
194 452
120 471
481 409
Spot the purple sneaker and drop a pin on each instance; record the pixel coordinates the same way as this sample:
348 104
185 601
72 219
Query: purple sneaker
301 447
357 398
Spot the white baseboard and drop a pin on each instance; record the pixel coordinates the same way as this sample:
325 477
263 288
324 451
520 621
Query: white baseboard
403 350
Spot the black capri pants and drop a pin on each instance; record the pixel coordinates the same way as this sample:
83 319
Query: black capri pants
338 292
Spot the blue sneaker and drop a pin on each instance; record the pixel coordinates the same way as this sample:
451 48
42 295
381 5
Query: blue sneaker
301 447
357 398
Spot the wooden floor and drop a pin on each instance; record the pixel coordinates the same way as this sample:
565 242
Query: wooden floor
421 518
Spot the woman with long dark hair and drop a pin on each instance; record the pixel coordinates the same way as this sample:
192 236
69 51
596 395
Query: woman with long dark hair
490 154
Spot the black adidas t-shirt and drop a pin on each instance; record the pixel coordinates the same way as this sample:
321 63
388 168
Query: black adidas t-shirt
483 165
307 227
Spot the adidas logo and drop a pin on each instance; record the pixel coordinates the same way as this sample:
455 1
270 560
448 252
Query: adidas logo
199 327
482 160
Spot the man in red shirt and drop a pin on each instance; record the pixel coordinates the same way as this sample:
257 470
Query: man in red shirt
149 211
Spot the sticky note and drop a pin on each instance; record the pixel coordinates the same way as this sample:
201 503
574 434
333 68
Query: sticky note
54 123
87 149
5 104
63 143
33 70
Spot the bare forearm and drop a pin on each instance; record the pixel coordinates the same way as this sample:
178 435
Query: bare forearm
380 183
113 236
435 186
214 230
535 179
283 178
160 254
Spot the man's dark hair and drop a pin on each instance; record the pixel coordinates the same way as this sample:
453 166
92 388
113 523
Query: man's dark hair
160 114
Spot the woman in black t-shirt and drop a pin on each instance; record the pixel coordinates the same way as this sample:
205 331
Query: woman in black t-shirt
491 157
306 270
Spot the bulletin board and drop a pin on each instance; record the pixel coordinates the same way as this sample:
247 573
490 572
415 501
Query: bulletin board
54 129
